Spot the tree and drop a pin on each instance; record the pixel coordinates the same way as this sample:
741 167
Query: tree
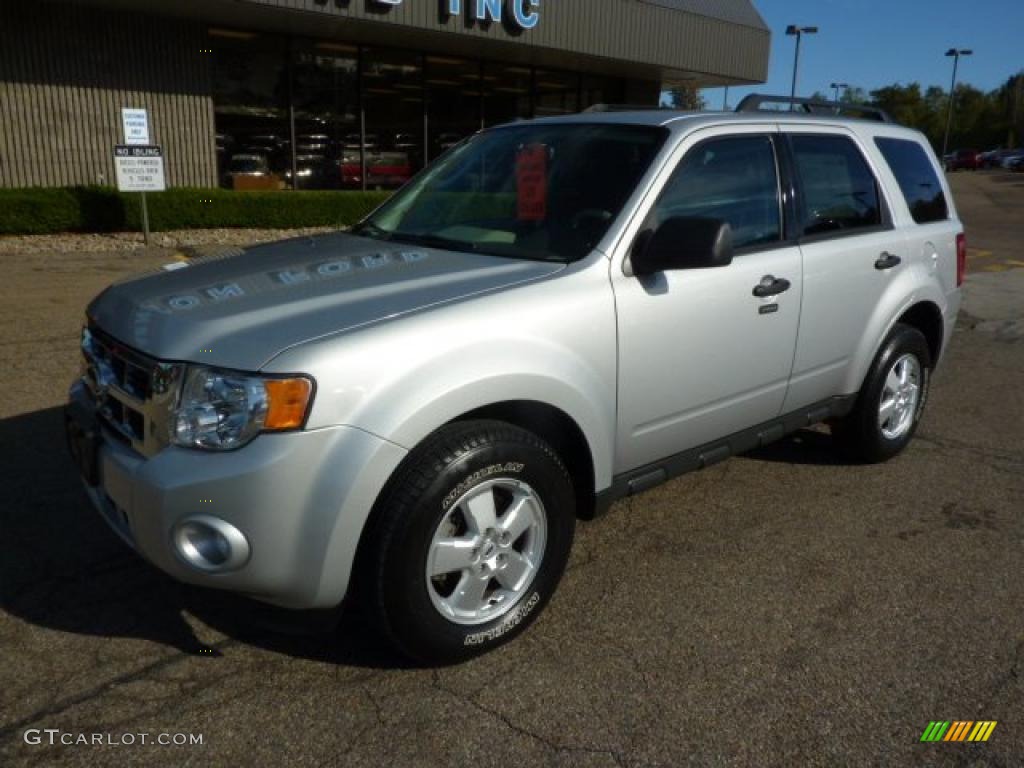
905 103
854 95
980 120
684 97
1009 104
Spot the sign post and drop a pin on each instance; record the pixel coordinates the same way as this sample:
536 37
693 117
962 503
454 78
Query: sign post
140 166
140 169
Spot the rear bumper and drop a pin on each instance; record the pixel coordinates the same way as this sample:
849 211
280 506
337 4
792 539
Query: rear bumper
299 499
953 299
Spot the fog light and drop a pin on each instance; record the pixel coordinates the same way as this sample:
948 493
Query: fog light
210 544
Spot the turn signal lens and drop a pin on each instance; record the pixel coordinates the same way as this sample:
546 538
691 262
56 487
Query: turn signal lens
287 401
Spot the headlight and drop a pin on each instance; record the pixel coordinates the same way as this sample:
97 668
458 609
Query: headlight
222 410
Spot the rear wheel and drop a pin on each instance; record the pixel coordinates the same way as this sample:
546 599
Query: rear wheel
471 541
891 400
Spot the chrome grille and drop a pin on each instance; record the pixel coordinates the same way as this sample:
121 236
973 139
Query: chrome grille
134 393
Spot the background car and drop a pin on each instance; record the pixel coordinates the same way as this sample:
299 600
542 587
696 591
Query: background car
1010 157
313 172
987 159
962 160
313 143
388 169
242 166
351 142
406 141
994 158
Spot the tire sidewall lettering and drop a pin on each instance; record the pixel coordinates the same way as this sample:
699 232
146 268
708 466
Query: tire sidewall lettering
514 618
475 478
470 455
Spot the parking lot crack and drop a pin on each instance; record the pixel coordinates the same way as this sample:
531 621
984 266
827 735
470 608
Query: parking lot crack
505 720
60 707
993 458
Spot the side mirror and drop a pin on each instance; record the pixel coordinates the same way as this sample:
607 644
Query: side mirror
683 242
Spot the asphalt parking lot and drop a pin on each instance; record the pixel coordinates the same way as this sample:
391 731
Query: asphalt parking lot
782 608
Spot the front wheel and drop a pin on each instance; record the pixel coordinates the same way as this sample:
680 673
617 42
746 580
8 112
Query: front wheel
471 540
891 400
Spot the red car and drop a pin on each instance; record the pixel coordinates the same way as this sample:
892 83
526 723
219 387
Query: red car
383 169
962 160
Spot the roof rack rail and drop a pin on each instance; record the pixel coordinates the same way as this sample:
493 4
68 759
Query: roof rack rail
754 102
623 108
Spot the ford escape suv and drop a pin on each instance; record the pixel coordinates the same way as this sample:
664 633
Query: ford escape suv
555 314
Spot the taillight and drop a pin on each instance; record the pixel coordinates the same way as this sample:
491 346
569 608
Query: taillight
961 258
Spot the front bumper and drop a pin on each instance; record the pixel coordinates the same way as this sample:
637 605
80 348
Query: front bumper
301 500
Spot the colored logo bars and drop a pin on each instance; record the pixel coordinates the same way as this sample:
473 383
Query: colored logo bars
958 730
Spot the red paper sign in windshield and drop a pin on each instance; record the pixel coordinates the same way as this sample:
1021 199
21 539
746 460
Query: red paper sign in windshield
532 183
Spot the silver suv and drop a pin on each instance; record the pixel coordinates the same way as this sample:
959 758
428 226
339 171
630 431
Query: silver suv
552 316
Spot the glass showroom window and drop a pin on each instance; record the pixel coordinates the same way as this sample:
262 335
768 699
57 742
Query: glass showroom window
393 104
602 90
506 93
325 96
250 97
557 93
453 102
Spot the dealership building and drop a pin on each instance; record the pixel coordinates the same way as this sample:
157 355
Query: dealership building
263 94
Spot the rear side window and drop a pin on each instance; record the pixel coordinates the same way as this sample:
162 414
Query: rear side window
840 193
733 179
917 179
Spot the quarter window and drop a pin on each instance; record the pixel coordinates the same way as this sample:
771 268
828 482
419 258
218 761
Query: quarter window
839 190
732 179
917 179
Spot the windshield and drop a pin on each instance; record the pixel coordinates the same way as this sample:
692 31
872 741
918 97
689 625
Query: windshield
532 191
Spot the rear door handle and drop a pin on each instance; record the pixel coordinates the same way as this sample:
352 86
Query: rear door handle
888 261
771 286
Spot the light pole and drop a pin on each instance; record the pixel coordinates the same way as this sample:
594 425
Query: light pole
956 53
799 32
835 87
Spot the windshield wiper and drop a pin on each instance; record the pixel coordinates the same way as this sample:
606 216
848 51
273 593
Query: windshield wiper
369 229
434 241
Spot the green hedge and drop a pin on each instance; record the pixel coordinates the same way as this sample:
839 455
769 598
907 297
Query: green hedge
39 211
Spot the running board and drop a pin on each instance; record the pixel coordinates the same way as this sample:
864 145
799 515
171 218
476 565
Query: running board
654 474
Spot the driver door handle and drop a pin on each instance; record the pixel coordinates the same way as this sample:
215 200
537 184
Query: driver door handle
771 286
888 261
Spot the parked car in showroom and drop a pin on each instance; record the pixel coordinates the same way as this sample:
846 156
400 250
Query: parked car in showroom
415 413
314 171
244 167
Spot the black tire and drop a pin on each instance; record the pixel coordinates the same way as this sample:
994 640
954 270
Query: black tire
424 493
859 434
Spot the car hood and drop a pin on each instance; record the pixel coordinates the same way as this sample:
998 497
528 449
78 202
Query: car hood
241 310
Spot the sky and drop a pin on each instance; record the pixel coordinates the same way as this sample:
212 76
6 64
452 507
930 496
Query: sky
871 43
